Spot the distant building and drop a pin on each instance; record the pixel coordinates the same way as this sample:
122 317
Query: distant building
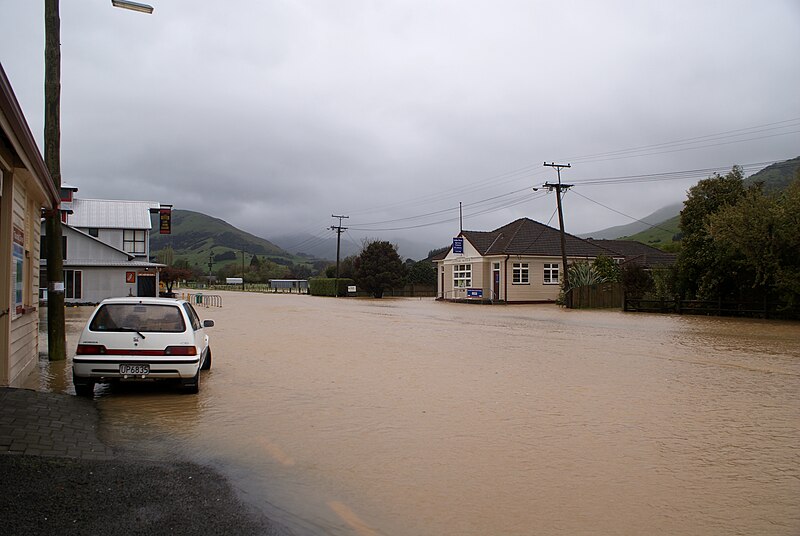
26 188
637 253
517 263
107 248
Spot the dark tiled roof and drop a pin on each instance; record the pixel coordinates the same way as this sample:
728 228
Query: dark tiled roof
528 237
637 252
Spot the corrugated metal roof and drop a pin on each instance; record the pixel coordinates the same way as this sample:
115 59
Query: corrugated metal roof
112 264
111 214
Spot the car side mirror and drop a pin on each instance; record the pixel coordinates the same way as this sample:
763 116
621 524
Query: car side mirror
208 323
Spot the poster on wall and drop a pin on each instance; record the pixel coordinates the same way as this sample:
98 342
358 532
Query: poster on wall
18 269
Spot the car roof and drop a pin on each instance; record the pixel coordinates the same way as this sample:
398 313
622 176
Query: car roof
144 301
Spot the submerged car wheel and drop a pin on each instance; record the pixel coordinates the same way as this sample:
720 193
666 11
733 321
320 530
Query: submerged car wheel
192 386
207 362
83 387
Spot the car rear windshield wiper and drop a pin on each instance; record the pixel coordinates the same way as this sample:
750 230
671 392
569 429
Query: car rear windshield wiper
132 330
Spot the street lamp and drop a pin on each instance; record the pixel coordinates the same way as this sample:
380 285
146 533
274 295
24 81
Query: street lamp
56 316
133 6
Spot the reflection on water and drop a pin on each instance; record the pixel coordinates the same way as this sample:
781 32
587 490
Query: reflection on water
413 417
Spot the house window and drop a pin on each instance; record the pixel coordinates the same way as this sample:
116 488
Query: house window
462 275
551 273
94 231
520 273
73 284
133 241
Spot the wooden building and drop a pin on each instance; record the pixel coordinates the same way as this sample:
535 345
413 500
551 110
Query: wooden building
25 190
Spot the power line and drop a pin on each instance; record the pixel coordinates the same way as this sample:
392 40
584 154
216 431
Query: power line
652 226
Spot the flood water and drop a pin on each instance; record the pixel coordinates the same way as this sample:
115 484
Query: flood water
412 417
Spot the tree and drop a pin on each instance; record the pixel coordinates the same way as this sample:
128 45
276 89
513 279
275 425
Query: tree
760 237
379 268
606 268
422 273
171 275
346 268
166 256
703 270
636 281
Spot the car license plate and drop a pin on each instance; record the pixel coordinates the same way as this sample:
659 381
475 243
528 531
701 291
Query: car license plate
135 370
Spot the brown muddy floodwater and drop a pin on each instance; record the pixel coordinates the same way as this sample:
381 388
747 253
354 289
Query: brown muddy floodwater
412 417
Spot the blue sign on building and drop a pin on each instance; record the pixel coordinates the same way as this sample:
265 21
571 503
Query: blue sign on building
458 245
474 293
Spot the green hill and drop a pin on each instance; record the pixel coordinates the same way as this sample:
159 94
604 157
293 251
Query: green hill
196 237
659 236
775 178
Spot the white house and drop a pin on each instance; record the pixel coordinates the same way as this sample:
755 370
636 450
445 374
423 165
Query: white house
107 247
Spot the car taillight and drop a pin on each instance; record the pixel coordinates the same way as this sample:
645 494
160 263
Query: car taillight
180 350
90 349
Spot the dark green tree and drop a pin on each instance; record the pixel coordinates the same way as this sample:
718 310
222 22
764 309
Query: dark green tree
346 268
760 238
704 271
422 273
636 281
379 268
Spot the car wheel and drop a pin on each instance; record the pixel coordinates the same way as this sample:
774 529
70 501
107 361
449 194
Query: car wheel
207 362
83 387
192 386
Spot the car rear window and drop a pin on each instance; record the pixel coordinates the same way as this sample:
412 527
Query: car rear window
139 317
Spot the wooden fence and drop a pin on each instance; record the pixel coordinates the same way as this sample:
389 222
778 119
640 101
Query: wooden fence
601 296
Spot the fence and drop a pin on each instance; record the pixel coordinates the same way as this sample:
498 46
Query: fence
764 309
206 300
600 296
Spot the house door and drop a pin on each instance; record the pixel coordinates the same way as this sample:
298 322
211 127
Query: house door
441 287
496 281
146 285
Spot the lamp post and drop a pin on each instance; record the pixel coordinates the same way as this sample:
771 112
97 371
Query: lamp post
56 325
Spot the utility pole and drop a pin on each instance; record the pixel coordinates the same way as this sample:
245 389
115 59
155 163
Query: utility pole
210 264
56 317
56 323
242 269
339 230
559 188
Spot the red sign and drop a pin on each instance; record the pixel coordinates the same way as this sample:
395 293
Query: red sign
130 277
165 219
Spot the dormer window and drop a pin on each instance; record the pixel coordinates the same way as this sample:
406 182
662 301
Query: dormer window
133 241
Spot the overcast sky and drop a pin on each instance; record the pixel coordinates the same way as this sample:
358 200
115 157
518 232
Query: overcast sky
275 114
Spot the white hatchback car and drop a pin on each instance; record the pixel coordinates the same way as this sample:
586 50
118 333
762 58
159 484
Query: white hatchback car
142 339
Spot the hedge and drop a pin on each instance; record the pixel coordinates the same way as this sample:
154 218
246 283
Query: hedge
323 286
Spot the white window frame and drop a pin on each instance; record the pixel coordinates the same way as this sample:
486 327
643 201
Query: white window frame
71 290
462 275
552 273
134 241
520 273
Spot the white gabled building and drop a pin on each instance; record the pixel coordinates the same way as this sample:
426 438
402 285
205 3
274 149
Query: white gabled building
107 248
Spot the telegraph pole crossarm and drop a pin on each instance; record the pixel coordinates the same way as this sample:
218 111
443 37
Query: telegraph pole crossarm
559 188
